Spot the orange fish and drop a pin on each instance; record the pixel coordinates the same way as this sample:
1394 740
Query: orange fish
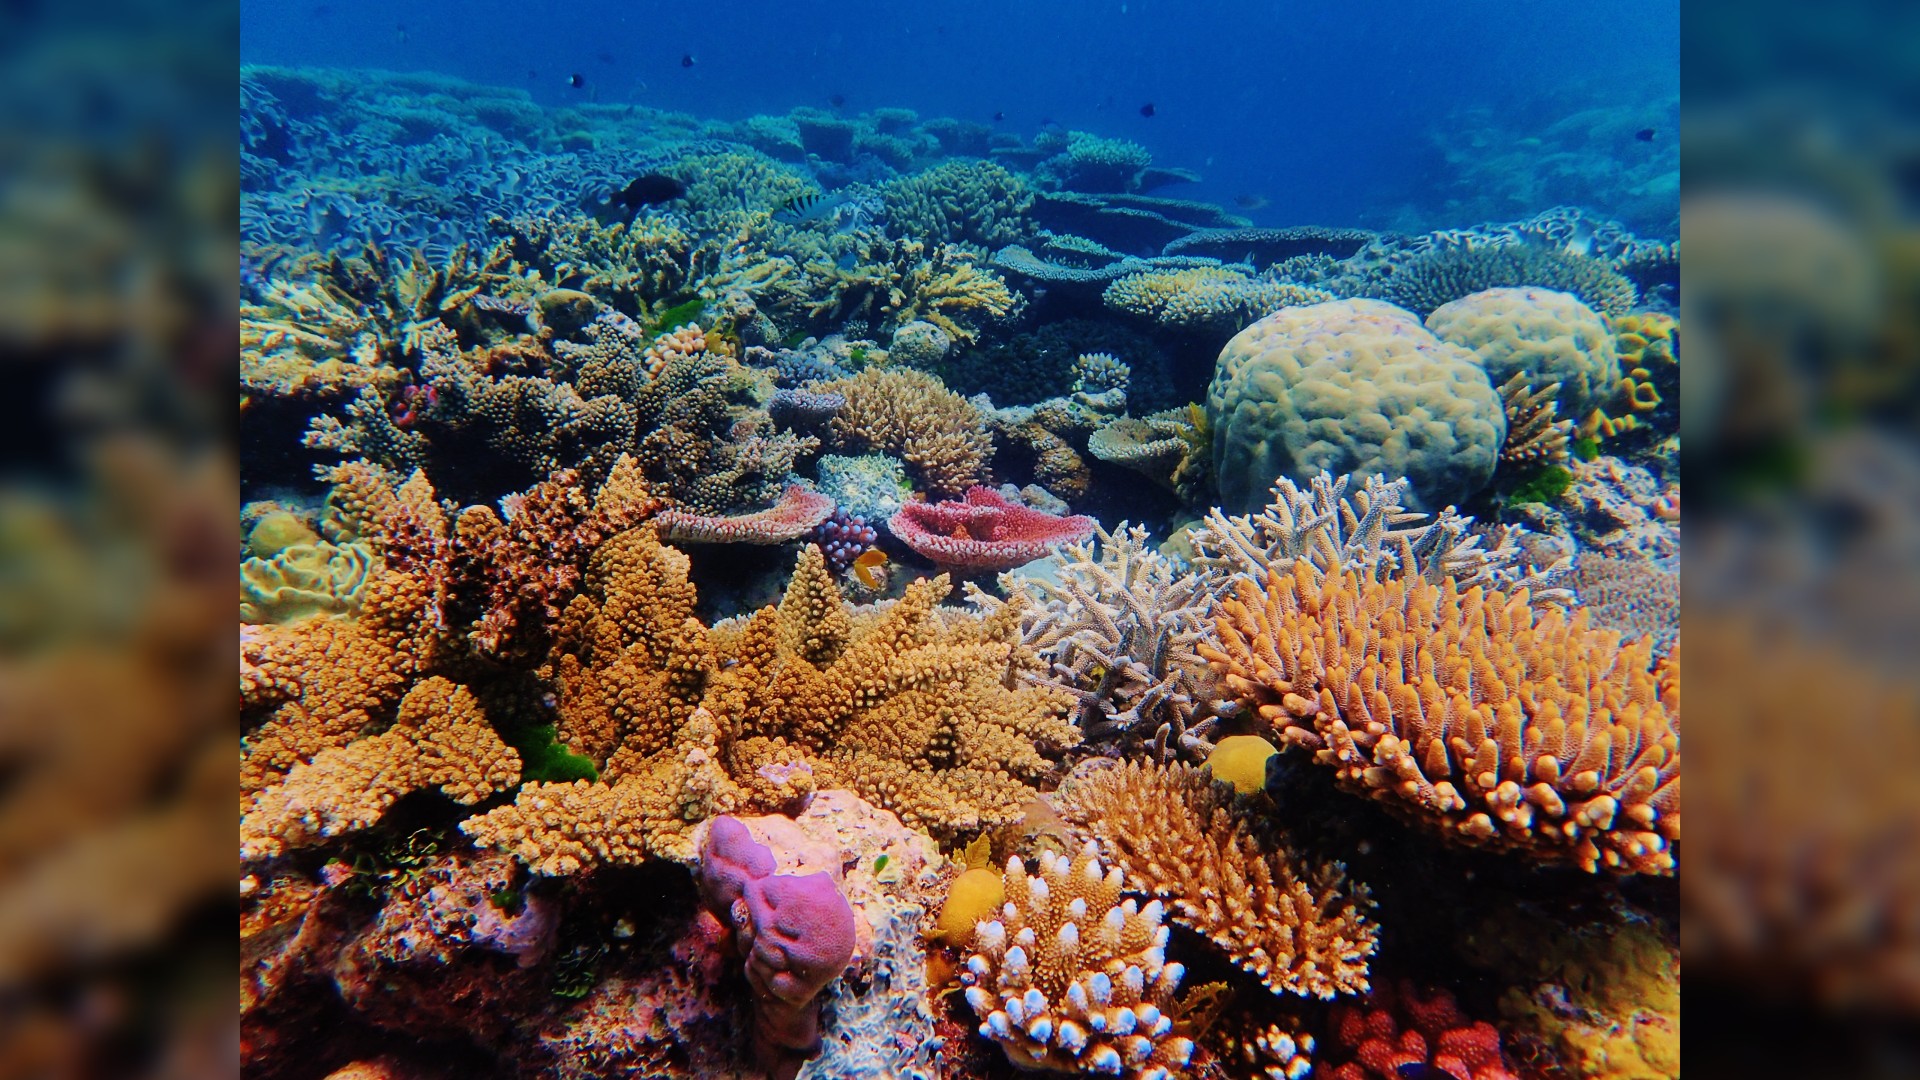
867 567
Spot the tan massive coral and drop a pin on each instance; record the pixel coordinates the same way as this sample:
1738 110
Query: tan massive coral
1466 711
1301 928
1545 335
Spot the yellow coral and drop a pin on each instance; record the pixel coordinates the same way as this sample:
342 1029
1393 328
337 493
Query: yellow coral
1205 297
1072 978
911 415
439 738
1470 712
1301 928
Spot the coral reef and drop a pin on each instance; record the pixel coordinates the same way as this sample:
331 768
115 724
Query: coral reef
934 432
977 203
1535 434
302 580
1354 387
1466 711
1299 927
1447 273
1546 336
984 532
798 513
1059 997
872 487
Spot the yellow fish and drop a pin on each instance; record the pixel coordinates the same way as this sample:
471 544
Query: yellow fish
866 568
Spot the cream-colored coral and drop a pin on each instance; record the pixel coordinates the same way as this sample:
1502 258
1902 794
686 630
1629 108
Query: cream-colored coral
1071 978
1205 297
302 581
439 738
687 341
1534 434
1301 928
1356 387
1466 711
909 414
1547 336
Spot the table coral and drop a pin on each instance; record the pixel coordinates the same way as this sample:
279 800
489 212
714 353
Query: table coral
798 513
439 738
1545 335
911 416
1447 272
1466 711
1300 927
983 532
1209 298
1071 978
1354 387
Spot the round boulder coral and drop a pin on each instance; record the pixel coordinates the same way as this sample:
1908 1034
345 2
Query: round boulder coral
1549 336
919 344
1355 387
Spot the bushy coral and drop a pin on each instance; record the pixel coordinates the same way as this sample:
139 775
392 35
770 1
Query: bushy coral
1300 927
1447 272
1467 712
1354 387
909 415
976 203
1081 161
889 283
1547 336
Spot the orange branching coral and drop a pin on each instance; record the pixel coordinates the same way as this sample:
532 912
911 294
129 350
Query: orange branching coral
439 738
328 681
907 706
911 415
1301 928
1466 711
688 340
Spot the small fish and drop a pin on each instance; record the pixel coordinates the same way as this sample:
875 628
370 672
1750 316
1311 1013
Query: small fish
837 100
1250 202
604 56
999 116
868 568
643 191
847 262
400 33
533 73
1644 134
814 206
1147 110
880 862
576 80
686 60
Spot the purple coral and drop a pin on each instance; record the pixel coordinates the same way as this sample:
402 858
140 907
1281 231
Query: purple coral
804 409
842 538
795 931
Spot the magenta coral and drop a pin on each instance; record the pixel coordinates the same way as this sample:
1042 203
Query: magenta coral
1394 1029
796 931
984 532
798 513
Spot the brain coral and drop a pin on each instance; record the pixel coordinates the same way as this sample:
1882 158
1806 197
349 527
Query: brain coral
1548 336
1355 387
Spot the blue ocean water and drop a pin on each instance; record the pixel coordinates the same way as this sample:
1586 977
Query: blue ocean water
1396 115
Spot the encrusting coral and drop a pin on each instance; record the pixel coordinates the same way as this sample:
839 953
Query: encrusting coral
1301 928
439 738
907 708
1466 711
912 416
1071 978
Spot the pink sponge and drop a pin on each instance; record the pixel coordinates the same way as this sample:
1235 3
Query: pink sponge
796 931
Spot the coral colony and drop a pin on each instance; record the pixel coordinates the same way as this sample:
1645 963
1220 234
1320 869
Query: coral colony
833 595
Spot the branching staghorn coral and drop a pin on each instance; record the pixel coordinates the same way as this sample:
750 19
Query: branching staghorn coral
894 282
1368 533
1301 928
911 416
708 441
1534 434
1071 977
1117 631
439 738
1465 711
908 708
634 267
